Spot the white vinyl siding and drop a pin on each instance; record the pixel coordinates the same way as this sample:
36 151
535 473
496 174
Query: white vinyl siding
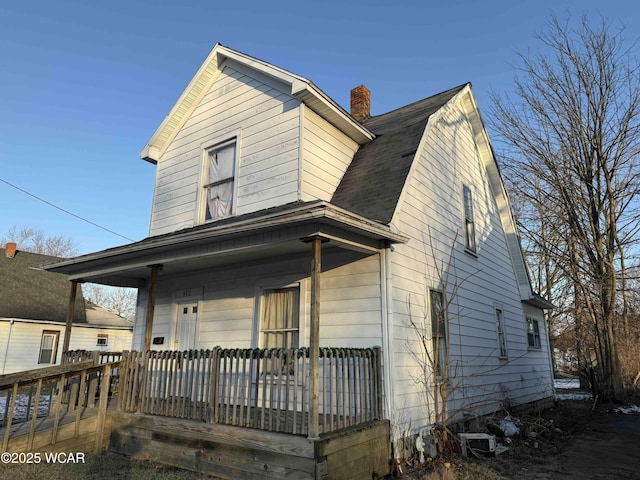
266 121
22 352
326 155
350 306
430 214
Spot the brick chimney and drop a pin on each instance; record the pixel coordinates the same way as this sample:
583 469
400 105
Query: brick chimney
10 249
360 103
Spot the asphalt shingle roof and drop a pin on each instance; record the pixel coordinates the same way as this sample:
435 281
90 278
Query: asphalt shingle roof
372 184
27 292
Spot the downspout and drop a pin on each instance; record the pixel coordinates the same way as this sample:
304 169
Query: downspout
6 348
387 325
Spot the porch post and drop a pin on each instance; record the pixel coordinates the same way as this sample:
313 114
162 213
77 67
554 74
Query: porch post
151 305
148 327
314 339
71 311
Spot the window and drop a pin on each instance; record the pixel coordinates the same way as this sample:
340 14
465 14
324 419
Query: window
533 333
280 322
219 180
48 346
438 330
502 341
469 225
103 340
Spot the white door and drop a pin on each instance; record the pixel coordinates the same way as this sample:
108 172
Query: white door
187 327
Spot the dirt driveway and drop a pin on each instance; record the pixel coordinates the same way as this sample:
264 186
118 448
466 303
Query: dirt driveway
608 448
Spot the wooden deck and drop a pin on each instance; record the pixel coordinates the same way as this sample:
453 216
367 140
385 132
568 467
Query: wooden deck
225 451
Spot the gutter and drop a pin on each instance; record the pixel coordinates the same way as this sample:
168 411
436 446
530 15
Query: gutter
316 211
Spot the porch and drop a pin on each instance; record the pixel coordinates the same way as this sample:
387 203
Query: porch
232 413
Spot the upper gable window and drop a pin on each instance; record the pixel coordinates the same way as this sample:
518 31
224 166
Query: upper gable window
219 180
469 224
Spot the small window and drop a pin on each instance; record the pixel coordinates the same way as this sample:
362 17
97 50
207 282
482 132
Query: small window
219 181
438 330
502 341
48 347
533 333
103 340
469 224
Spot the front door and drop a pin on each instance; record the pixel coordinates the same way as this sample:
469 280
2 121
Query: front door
187 326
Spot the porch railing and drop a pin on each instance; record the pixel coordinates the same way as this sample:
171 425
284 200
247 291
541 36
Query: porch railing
257 388
99 357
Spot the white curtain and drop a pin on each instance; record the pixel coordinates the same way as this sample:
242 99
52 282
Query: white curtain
280 318
221 169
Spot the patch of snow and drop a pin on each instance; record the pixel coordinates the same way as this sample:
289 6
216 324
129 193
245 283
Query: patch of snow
629 410
573 396
567 383
22 404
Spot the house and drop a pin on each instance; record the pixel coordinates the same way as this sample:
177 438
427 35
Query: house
33 315
280 220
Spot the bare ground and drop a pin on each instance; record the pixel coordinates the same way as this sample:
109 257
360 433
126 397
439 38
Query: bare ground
569 441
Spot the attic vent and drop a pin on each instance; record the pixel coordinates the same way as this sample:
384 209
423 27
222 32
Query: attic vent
360 103
10 249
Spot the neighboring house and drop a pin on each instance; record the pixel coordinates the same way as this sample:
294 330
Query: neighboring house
33 315
253 161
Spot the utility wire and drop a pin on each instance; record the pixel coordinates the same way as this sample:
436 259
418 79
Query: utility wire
65 211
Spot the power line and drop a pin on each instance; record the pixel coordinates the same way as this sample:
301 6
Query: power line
66 211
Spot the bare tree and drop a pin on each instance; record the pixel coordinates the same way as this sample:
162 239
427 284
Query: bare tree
572 136
35 240
121 301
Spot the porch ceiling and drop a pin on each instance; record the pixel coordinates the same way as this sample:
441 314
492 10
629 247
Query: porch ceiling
271 233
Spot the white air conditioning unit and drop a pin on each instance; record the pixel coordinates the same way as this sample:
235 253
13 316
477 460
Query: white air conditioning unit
477 444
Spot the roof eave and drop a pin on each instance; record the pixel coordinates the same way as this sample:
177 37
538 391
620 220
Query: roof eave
316 211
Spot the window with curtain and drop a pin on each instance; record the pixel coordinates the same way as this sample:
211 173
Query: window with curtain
219 181
280 323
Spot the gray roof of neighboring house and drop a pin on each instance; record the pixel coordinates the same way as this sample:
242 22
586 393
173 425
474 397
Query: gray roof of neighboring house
375 178
30 293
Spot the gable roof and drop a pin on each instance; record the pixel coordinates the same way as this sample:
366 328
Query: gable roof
300 88
372 184
28 292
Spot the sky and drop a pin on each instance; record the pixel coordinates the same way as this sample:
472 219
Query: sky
84 84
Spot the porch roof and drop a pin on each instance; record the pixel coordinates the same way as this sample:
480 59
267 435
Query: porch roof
264 234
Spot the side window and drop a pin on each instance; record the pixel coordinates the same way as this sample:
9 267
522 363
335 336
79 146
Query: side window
438 330
533 333
48 347
469 224
502 340
219 181
103 340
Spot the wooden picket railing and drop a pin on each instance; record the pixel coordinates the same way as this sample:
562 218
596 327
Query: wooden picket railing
71 389
99 357
258 388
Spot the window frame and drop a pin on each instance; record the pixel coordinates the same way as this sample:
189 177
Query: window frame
205 184
102 336
262 331
438 332
470 243
533 334
54 350
502 335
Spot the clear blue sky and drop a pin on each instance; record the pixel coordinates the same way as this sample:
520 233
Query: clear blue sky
84 85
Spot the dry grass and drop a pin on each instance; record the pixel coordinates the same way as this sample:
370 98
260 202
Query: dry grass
96 467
